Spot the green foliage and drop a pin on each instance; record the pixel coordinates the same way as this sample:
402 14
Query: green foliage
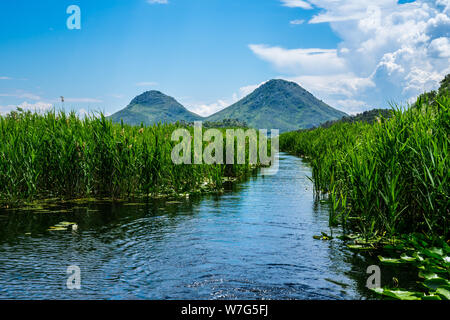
390 177
58 155
430 98
431 259
370 116
225 123
444 89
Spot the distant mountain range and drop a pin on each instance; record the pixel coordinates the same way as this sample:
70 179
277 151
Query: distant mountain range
277 104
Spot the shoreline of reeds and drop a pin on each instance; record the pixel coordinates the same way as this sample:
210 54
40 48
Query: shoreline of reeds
387 178
58 155
388 185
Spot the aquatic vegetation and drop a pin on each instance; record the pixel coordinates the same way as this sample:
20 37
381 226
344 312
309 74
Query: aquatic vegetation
430 259
58 155
388 182
64 226
386 178
324 236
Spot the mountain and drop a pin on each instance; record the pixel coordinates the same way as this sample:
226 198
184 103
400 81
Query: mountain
279 104
153 107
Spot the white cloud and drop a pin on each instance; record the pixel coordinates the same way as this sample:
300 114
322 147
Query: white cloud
209 109
441 47
350 106
388 51
296 4
245 91
34 107
307 61
296 22
5 78
341 84
158 1
21 95
336 11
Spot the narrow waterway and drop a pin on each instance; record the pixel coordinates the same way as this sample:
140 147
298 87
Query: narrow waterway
255 241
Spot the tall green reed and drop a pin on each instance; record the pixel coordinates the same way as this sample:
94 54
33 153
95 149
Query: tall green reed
388 178
58 155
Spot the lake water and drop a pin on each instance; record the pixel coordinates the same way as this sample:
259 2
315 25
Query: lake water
255 241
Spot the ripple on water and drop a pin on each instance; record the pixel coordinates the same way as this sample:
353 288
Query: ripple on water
253 242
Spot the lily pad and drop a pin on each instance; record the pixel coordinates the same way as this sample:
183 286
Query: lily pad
359 247
428 275
390 260
431 297
57 229
407 258
399 294
65 223
322 237
435 283
433 253
444 292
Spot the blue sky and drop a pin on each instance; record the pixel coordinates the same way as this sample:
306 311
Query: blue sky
209 53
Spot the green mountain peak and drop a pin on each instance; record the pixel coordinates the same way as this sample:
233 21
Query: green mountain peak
152 107
279 104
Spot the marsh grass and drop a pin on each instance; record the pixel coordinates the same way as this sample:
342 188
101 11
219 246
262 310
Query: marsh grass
58 155
386 178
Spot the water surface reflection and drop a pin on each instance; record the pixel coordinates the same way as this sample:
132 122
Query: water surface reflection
253 242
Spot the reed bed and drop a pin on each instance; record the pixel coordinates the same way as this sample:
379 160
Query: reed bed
386 178
58 155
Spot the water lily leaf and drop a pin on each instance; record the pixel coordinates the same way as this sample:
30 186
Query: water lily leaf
65 223
323 237
431 297
418 256
435 283
399 294
437 251
390 260
407 258
359 247
433 253
444 292
432 268
428 275
57 229
174 202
